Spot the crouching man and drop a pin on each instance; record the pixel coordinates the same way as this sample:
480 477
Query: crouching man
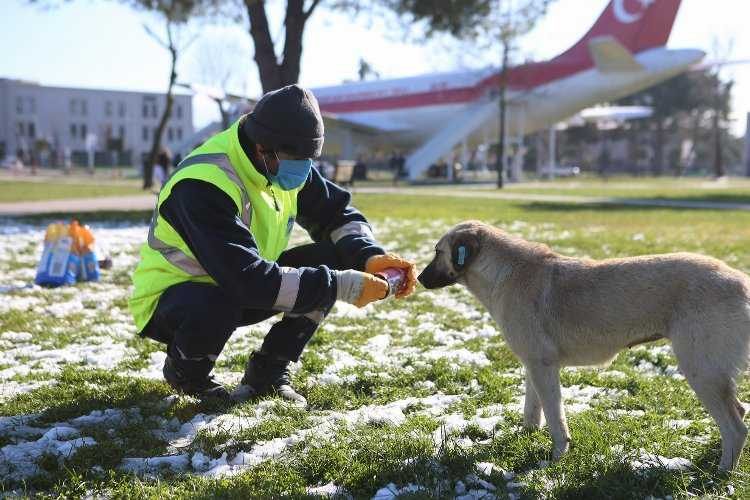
216 254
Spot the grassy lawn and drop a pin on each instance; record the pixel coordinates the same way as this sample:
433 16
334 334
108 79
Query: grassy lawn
15 190
423 393
735 190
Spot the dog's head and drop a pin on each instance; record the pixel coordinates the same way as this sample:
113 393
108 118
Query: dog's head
454 253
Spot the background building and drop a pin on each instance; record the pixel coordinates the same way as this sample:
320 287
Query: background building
49 125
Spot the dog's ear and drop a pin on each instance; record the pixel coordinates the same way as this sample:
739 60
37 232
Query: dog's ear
465 248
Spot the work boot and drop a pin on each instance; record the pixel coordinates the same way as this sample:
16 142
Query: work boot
266 375
203 388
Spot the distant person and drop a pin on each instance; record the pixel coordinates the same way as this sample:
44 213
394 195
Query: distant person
604 159
360 169
393 166
397 164
401 166
457 172
162 165
67 160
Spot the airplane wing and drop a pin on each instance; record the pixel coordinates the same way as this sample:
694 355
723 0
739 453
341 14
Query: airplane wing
377 124
610 56
702 66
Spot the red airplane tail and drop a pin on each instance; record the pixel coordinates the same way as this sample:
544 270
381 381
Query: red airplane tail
637 24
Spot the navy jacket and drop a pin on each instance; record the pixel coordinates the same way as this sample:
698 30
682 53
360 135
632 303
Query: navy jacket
206 218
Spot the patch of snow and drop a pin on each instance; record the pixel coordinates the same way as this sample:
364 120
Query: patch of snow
678 424
391 491
648 461
460 356
19 461
16 336
329 490
176 463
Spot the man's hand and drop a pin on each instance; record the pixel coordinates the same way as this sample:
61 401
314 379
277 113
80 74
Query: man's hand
379 262
359 288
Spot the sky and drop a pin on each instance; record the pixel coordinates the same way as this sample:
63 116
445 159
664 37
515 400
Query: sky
103 44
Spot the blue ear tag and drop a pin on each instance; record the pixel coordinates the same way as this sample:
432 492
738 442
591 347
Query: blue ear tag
461 255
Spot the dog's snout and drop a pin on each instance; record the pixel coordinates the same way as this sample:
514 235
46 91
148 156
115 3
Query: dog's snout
430 277
424 276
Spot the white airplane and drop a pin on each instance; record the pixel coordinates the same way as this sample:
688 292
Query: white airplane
623 53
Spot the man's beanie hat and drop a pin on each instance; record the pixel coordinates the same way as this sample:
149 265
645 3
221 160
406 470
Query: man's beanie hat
288 120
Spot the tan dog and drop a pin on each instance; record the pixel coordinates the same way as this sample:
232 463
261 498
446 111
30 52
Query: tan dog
559 311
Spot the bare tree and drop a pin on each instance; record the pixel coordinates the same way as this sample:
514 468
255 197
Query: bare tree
509 20
221 63
459 18
721 103
175 42
366 70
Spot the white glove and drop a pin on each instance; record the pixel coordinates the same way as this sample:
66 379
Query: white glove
359 288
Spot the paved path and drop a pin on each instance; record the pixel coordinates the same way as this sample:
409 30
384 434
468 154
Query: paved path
75 205
145 202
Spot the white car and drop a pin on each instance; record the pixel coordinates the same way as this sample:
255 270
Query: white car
560 171
9 162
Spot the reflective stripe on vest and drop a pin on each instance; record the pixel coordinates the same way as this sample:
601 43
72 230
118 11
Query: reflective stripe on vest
174 255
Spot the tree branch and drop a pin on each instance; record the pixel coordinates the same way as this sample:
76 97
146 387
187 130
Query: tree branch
156 37
309 11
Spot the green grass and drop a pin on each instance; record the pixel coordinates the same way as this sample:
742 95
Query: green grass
638 409
15 190
736 190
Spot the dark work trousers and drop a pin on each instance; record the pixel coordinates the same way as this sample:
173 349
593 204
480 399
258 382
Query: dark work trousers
195 320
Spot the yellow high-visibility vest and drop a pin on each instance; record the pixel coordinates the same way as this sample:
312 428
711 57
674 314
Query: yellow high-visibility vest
268 211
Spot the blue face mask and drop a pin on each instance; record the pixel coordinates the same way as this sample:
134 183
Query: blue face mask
292 173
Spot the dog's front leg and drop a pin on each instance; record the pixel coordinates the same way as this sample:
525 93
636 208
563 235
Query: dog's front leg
532 407
545 377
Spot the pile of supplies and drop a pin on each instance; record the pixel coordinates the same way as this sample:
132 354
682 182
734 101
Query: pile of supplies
68 255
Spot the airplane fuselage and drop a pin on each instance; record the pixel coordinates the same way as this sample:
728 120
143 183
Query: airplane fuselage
408 108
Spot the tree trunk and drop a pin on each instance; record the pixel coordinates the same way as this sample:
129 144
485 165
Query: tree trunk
659 148
718 156
274 75
294 26
500 160
148 168
265 55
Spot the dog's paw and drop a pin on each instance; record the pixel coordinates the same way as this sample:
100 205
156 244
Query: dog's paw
559 451
532 426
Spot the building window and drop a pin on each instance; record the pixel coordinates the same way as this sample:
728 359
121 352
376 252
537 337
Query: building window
83 108
170 135
73 107
21 129
121 109
179 133
32 105
121 132
145 133
73 130
108 108
32 130
179 112
83 131
149 106
19 105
